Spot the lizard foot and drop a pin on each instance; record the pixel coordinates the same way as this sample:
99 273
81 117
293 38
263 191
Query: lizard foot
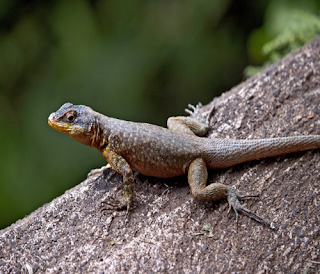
117 205
195 113
98 171
233 200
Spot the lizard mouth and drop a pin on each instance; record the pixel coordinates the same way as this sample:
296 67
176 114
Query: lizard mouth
70 129
60 126
51 120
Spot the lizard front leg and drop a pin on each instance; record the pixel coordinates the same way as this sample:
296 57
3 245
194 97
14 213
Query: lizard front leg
197 178
120 165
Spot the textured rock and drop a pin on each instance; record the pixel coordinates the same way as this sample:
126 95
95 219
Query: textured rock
165 232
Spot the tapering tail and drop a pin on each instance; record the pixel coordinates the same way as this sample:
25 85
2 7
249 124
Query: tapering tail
222 153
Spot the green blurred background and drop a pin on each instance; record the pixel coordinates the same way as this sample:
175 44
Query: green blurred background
134 60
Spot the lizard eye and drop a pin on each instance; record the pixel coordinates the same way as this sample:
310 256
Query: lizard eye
71 116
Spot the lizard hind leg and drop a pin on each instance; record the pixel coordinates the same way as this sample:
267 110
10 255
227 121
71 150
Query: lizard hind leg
197 178
195 124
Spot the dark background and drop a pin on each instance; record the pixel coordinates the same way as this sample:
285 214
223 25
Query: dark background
134 60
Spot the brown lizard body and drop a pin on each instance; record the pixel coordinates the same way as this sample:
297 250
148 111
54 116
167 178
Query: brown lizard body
156 151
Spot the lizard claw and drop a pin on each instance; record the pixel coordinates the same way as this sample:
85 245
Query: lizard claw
117 205
210 113
98 171
194 109
113 204
233 200
195 113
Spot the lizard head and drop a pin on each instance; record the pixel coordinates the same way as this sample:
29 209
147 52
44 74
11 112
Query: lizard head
78 121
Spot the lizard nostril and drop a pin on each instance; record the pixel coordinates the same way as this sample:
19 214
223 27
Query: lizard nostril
51 118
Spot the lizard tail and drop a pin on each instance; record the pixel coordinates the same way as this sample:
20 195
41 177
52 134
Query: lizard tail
222 153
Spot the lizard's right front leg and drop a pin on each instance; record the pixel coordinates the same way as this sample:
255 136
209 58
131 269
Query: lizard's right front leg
120 165
197 178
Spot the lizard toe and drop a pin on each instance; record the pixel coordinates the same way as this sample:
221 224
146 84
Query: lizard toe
98 171
234 203
194 112
117 205
114 204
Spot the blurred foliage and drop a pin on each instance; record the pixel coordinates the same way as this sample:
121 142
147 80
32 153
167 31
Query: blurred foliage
301 28
134 60
288 26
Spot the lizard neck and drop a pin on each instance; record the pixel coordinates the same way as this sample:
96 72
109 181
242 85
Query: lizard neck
96 133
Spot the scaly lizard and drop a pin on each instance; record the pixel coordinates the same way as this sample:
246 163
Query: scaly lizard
156 151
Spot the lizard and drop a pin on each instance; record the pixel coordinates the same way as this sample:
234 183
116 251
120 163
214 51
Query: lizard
173 151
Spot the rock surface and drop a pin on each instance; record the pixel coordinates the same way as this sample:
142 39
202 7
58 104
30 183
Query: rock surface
169 231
